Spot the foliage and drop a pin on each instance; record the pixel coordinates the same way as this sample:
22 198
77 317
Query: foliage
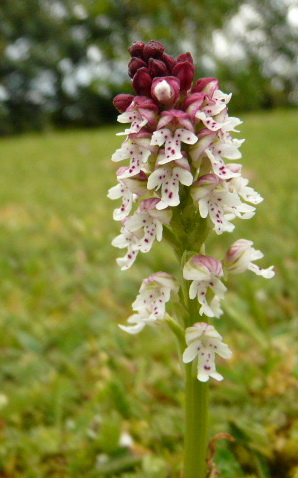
71 383
62 61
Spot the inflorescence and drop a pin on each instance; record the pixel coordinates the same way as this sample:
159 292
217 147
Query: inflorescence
176 178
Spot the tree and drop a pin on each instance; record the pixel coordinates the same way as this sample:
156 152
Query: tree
62 61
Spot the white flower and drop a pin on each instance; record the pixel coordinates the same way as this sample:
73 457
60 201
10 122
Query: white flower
150 303
169 178
135 118
138 155
215 149
129 189
216 142
141 112
223 149
204 342
132 242
219 167
137 322
204 272
216 200
239 185
209 121
240 257
139 231
172 142
217 103
210 113
122 191
230 124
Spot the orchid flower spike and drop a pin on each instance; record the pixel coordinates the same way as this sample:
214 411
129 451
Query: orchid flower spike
178 180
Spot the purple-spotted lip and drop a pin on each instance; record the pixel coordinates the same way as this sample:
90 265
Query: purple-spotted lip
141 175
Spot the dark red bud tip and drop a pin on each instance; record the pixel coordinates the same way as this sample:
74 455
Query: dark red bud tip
197 98
169 61
142 82
136 49
157 68
153 49
134 64
122 102
207 85
185 71
185 57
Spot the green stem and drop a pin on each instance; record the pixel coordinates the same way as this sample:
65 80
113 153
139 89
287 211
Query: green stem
178 331
196 425
191 233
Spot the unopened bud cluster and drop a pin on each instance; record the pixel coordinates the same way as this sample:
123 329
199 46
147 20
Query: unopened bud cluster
176 177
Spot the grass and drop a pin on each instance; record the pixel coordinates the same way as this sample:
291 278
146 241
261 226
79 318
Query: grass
72 383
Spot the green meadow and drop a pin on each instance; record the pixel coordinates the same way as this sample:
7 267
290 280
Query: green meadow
78 396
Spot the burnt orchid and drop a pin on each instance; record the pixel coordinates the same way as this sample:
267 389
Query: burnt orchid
178 183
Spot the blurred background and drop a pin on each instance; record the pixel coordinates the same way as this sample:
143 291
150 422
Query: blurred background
77 395
62 61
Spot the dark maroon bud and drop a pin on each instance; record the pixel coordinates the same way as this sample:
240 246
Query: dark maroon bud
194 97
193 103
153 49
157 68
206 85
137 49
134 64
143 102
169 61
185 57
185 71
122 102
142 82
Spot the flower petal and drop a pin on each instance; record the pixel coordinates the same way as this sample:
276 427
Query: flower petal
190 353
